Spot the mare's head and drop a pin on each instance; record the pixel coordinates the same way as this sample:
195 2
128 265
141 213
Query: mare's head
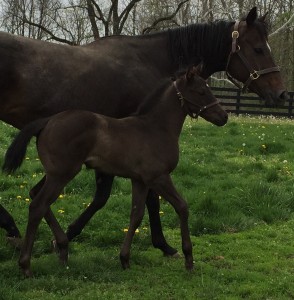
197 99
251 61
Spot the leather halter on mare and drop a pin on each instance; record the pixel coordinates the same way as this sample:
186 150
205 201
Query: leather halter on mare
189 111
253 74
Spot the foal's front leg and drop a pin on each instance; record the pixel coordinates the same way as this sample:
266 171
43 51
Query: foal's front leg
139 193
164 187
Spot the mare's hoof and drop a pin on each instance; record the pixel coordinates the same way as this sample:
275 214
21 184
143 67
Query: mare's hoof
174 255
62 252
27 273
15 242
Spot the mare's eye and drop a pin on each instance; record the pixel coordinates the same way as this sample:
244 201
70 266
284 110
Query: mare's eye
258 50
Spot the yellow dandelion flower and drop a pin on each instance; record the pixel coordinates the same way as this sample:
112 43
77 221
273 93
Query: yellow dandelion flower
18 197
27 199
61 211
27 158
137 230
161 212
61 196
126 229
34 175
21 186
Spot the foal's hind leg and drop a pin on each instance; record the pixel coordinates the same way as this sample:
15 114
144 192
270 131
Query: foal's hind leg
103 189
61 241
158 239
38 208
164 186
139 193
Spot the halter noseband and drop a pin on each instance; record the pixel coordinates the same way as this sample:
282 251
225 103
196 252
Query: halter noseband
183 101
253 74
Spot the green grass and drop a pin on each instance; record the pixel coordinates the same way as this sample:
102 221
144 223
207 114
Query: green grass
238 182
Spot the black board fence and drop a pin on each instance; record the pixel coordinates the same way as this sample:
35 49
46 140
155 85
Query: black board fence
235 102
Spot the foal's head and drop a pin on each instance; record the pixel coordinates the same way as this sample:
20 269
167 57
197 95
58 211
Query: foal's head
198 100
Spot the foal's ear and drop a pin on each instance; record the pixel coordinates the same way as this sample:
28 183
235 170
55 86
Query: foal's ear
252 16
190 74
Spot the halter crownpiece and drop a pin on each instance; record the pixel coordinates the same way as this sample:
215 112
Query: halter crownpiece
183 101
253 74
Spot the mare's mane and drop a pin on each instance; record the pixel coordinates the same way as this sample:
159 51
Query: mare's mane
199 42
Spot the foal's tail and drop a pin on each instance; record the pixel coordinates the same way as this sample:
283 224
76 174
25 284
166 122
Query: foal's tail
17 150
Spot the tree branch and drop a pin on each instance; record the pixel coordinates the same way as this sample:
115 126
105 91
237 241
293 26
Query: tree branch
52 35
283 26
167 18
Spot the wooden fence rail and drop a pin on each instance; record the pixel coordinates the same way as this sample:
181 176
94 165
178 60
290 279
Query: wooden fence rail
236 102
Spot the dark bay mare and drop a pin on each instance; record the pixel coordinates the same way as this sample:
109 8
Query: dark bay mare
39 79
143 147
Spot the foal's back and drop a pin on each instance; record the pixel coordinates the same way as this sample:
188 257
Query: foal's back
120 147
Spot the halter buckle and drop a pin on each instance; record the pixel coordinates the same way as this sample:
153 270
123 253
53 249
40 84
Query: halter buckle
254 75
235 34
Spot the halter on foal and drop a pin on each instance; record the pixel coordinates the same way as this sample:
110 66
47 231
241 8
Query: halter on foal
143 147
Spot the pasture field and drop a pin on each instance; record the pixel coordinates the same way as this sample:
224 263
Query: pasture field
238 181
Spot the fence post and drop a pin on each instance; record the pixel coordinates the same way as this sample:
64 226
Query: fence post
290 106
238 102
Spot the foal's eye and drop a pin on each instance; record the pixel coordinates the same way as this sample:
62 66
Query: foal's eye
258 50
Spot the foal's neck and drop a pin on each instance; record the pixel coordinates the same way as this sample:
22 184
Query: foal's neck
166 114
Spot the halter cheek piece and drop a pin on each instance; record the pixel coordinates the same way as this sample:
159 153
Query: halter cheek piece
184 101
253 74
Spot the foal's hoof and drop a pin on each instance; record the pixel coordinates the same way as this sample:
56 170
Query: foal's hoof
125 262
15 242
54 247
189 266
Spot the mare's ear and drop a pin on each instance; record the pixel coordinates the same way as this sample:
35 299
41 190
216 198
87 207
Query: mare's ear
262 18
252 16
191 72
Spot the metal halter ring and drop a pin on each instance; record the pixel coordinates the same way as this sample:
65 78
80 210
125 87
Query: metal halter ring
254 75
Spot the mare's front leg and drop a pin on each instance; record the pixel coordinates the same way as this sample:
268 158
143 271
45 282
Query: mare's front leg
158 239
103 189
139 194
164 187
38 208
6 222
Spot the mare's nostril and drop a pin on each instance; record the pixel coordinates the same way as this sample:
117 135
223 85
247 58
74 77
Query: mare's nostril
284 96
